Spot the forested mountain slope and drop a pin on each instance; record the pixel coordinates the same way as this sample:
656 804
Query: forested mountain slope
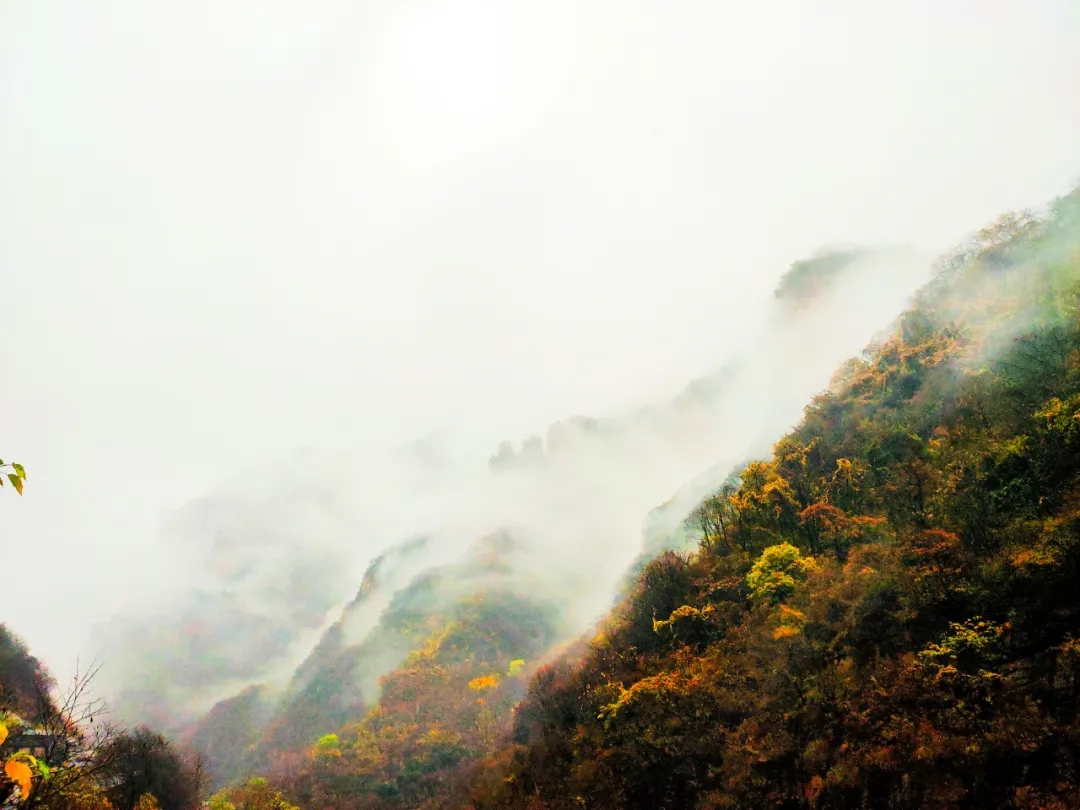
272 563
554 528
23 679
881 614
885 613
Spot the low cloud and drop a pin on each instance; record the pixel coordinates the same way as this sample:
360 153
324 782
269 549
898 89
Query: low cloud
274 562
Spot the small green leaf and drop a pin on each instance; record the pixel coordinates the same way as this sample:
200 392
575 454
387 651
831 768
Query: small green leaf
45 772
15 482
19 471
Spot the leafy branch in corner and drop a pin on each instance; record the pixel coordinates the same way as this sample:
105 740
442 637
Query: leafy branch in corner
15 473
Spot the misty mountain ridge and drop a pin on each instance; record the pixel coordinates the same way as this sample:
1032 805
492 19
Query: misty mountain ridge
565 520
523 406
684 604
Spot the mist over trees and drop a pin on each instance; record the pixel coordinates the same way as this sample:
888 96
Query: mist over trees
61 751
540 405
879 612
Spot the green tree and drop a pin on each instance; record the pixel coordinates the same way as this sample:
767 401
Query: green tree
776 573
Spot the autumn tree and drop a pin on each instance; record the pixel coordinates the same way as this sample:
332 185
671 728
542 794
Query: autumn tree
144 762
255 794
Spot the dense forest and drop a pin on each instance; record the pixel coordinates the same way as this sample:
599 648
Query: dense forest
882 614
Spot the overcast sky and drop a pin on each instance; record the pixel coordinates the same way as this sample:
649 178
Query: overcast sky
228 230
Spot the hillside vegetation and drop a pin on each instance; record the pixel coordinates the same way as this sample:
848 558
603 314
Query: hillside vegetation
884 614
55 757
59 750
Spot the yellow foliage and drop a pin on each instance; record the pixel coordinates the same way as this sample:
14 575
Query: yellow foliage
785 631
437 735
791 621
17 475
791 615
1035 556
328 746
655 689
776 572
484 682
683 612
